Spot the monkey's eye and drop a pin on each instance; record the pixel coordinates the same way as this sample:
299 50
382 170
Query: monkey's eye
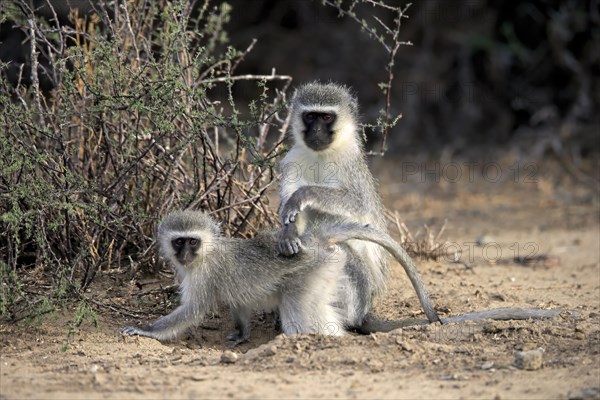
327 117
310 117
194 242
179 242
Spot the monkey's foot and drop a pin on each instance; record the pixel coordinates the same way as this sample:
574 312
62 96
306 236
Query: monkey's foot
237 338
133 330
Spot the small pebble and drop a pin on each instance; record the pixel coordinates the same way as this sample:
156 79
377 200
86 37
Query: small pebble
404 345
270 351
229 357
529 360
484 239
487 365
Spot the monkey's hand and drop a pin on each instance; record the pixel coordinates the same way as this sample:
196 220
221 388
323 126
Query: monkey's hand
292 208
289 242
135 330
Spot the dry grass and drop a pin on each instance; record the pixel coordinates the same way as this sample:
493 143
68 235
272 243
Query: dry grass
425 243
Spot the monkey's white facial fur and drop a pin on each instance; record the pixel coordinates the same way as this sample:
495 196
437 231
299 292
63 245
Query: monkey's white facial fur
324 117
184 237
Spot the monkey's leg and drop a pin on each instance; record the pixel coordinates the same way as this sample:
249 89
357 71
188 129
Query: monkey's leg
241 317
356 295
296 318
168 327
309 304
352 231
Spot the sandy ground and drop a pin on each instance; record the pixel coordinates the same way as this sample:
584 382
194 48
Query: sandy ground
533 215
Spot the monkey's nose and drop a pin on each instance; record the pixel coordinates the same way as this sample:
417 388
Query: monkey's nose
186 258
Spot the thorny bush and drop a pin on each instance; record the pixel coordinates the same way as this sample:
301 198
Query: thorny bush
128 112
140 119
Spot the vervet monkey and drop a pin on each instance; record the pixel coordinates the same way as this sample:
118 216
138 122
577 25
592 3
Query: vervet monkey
247 274
326 180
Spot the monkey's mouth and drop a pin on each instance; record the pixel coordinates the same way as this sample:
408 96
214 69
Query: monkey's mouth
317 144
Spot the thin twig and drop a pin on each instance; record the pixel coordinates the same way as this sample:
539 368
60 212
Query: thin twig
248 77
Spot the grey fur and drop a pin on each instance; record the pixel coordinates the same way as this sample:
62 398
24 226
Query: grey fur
345 232
325 95
341 190
308 289
373 324
247 274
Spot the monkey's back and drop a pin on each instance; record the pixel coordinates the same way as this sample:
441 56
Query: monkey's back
255 270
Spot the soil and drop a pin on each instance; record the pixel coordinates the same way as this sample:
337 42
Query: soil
525 240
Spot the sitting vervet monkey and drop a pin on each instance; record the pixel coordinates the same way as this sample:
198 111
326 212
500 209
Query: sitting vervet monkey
325 180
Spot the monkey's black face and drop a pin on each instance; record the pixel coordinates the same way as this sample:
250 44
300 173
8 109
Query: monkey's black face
318 129
186 249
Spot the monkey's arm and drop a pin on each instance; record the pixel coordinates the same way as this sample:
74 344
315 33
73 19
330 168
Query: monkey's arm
196 300
321 198
168 327
317 197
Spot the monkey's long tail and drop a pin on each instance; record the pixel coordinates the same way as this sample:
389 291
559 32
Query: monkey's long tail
348 231
374 324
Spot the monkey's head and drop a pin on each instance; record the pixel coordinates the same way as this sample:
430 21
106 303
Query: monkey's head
324 116
183 235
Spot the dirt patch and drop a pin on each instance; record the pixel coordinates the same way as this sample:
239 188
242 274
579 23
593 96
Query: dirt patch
493 225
